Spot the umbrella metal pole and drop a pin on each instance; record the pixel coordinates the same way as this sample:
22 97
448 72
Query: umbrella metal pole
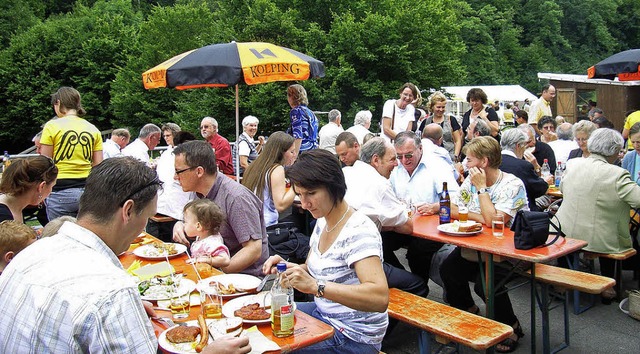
237 137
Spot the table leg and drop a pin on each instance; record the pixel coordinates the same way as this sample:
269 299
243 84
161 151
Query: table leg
533 309
490 291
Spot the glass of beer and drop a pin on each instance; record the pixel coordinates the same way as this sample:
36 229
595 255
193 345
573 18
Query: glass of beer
179 306
211 303
497 225
463 213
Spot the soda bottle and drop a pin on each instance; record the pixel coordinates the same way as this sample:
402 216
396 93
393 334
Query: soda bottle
558 175
445 205
281 305
545 170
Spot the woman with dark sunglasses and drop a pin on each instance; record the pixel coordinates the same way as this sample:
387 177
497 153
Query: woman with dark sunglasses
25 182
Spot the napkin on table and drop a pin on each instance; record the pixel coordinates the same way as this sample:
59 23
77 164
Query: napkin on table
259 343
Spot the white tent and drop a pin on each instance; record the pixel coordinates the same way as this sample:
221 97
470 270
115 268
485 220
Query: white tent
503 93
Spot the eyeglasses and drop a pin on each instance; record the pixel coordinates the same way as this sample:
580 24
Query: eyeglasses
406 156
548 127
178 172
155 181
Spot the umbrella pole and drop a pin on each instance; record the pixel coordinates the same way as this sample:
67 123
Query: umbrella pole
237 137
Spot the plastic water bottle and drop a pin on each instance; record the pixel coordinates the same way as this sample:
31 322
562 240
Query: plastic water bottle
6 161
559 173
545 170
281 305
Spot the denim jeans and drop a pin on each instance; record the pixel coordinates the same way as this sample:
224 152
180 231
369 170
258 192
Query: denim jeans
63 202
339 343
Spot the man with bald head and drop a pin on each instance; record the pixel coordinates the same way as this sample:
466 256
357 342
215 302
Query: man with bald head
220 145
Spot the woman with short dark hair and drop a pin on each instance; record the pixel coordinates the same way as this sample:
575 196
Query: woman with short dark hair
478 99
344 266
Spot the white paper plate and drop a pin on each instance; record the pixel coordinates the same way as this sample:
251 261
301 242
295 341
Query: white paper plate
452 229
239 281
186 286
150 252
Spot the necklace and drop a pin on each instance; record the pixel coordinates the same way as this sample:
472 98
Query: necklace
338 223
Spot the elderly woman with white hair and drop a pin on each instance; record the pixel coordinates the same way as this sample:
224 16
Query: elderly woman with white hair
598 196
581 133
361 125
513 144
246 147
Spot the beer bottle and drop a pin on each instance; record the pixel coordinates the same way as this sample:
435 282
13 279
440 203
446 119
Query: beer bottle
445 205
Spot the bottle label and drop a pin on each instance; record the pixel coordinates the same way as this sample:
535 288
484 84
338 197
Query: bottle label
445 215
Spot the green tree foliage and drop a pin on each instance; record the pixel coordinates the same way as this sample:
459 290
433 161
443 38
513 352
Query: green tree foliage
83 49
369 47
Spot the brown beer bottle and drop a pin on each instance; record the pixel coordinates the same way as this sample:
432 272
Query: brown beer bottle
445 205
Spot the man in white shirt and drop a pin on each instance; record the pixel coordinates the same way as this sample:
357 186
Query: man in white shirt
361 125
369 191
330 131
347 148
148 139
565 143
418 180
112 147
542 106
432 136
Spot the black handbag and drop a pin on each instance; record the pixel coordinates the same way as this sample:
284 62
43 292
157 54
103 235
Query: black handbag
287 241
531 229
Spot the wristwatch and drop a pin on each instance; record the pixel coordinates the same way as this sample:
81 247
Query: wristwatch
321 284
483 190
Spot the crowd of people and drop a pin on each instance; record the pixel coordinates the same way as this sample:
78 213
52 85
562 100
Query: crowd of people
360 190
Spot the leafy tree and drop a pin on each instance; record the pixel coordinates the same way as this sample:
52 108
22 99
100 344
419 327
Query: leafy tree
83 49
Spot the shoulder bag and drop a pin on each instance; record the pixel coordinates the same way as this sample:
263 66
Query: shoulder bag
531 229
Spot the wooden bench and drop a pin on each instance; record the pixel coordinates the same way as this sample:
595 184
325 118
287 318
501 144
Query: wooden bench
618 258
445 322
162 218
564 278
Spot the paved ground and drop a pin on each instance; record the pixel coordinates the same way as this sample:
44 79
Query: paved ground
601 329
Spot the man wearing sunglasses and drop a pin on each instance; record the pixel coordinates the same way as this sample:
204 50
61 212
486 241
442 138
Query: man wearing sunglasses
418 179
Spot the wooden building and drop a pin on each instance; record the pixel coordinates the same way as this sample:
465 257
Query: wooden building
615 98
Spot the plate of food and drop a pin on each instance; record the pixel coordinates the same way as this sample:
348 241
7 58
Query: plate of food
457 228
230 285
160 250
253 309
184 338
163 288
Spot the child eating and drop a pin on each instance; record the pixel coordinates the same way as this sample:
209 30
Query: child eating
202 219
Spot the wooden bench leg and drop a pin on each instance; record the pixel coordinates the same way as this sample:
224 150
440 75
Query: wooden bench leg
618 278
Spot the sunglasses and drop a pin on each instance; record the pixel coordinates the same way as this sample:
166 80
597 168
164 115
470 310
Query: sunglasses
406 156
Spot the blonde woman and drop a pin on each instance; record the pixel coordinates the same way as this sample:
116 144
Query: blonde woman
451 129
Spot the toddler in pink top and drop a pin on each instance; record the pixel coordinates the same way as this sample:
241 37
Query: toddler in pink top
202 218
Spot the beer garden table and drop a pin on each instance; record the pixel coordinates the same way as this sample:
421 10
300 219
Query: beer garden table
495 249
307 330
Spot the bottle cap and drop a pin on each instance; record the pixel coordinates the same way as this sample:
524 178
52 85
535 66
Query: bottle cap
281 267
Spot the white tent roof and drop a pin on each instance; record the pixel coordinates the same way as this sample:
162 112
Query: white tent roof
504 93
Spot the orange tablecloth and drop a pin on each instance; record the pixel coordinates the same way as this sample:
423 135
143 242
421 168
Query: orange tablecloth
308 330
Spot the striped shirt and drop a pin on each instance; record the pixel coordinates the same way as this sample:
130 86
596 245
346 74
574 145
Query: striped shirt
69 294
358 240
